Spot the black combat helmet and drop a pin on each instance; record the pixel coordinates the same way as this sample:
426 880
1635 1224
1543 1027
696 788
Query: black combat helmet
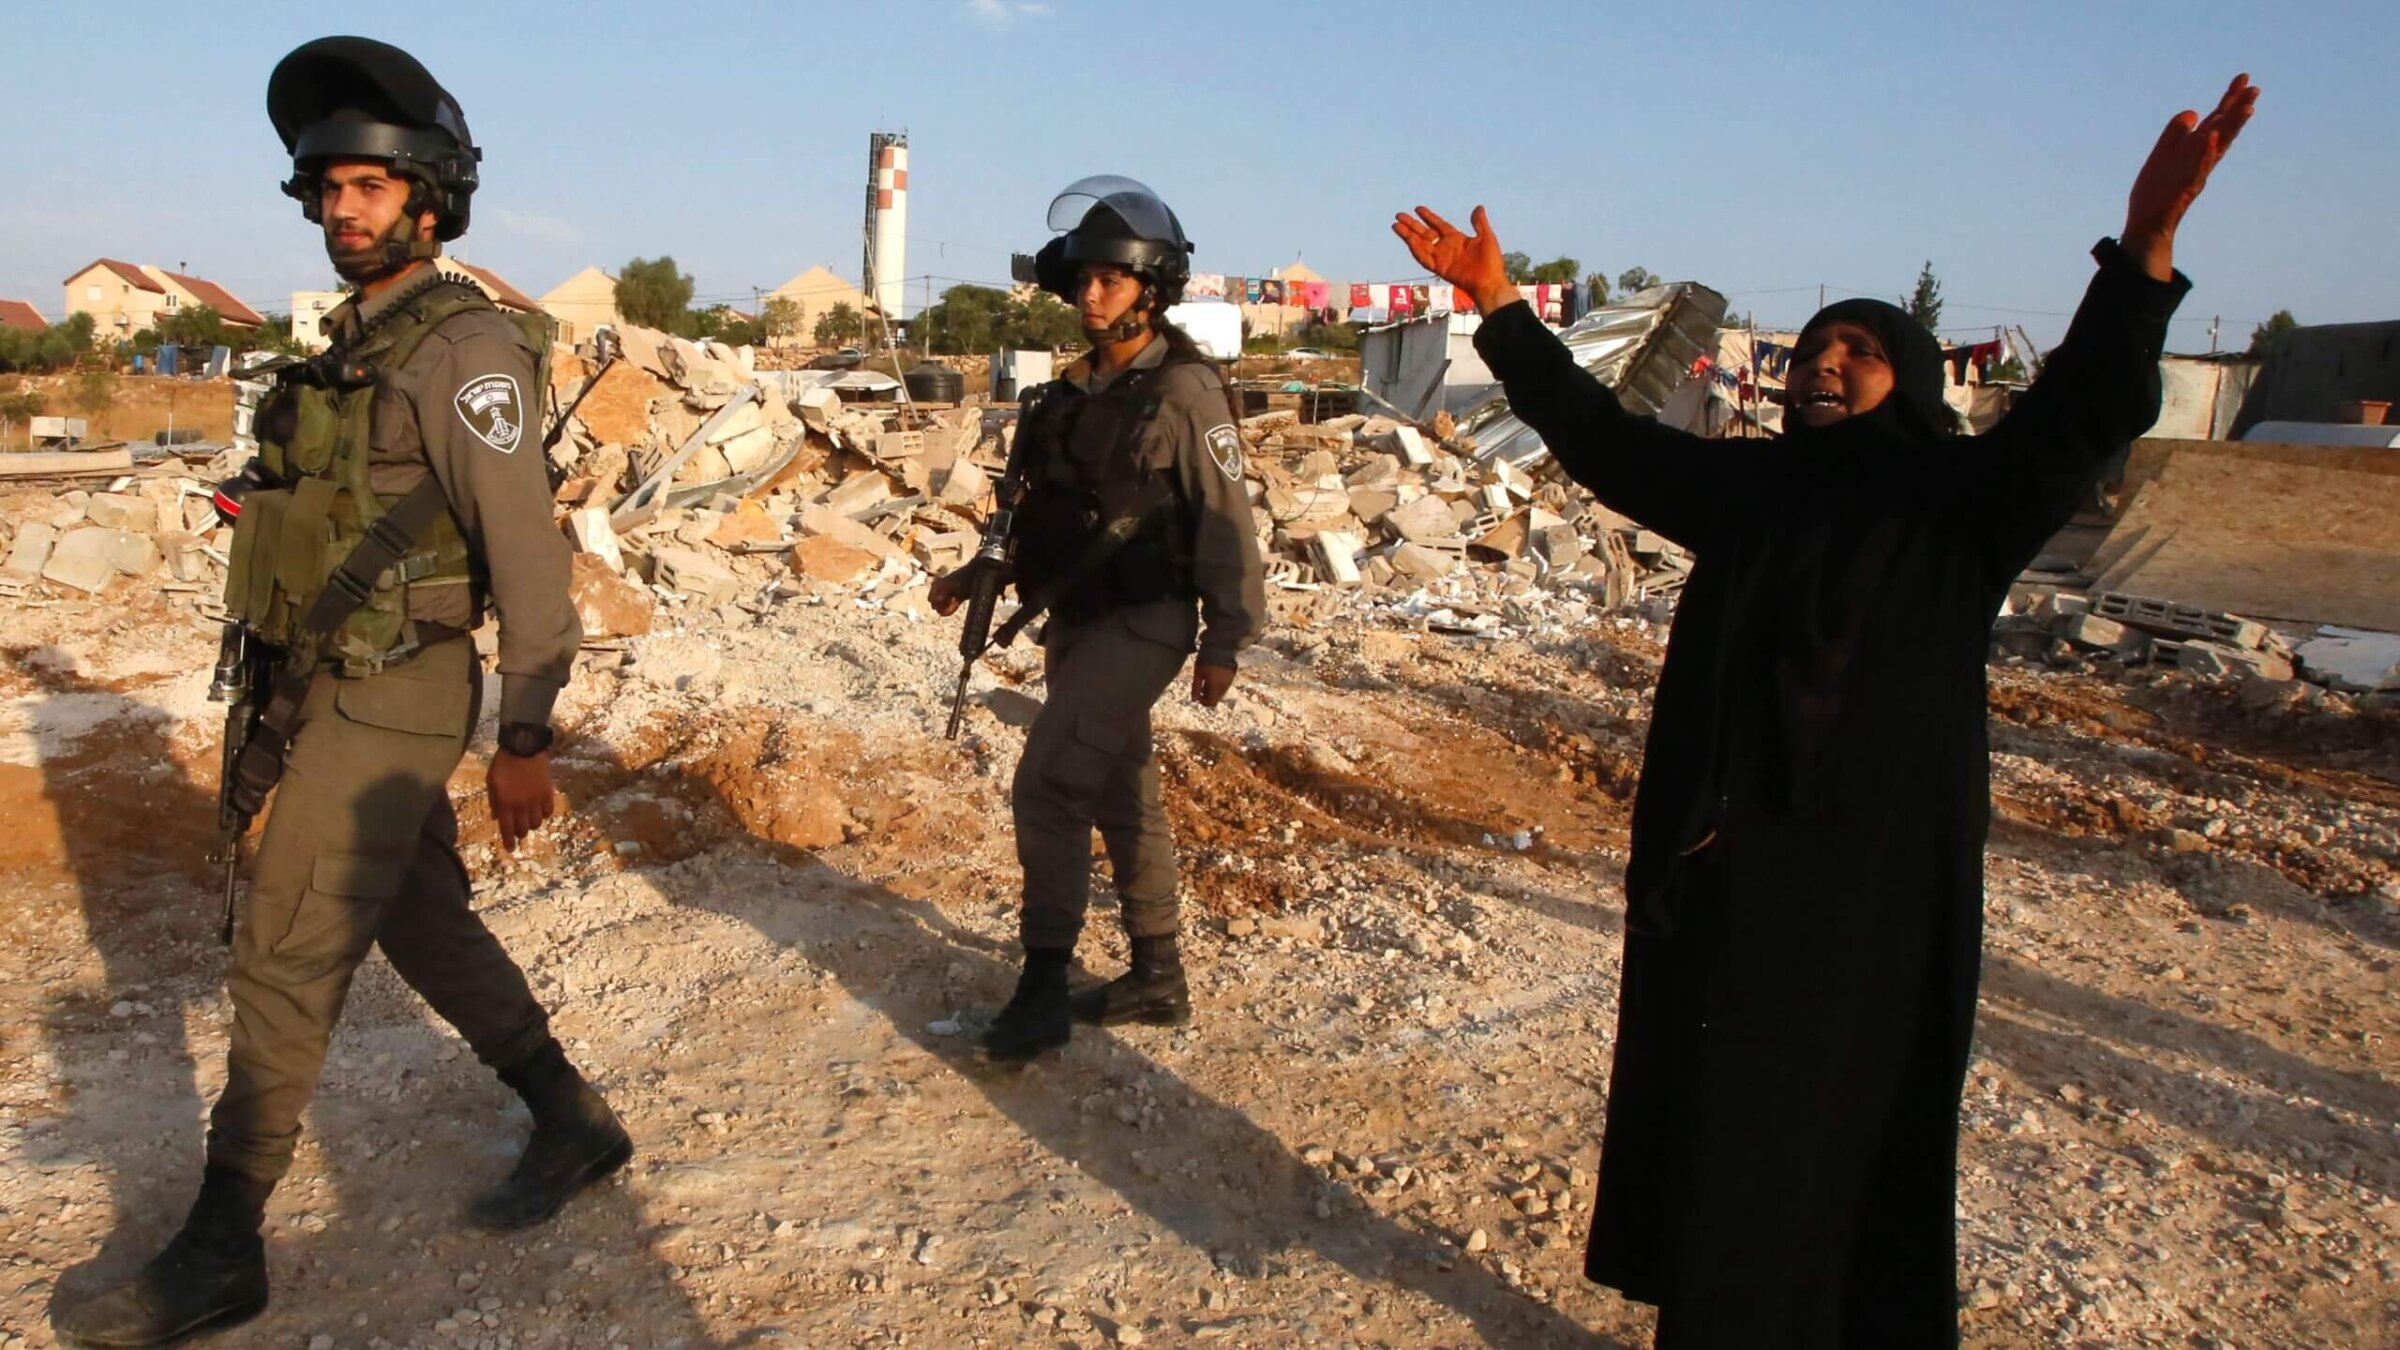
356 98
1109 219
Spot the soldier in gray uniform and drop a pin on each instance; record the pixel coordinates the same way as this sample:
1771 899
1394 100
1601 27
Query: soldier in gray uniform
1134 533
417 433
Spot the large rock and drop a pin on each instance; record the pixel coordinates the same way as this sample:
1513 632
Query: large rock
825 558
617 411
746 523
608 604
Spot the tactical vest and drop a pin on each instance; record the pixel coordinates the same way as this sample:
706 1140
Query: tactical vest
1088 464
314 434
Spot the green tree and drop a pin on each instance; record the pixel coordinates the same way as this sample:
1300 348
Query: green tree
967 320
841 325
1557 271
198 326
779 319
1043 321
1636 279
1333 337
652 293
92 393
1596 286
18 408
2010 371
1519 265
2266 337
1926 305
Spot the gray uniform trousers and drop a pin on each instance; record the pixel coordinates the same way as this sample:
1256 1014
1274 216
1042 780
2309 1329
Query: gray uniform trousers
1088 763
360 850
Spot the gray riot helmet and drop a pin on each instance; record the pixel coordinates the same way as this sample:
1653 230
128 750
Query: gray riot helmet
1111 219
356 98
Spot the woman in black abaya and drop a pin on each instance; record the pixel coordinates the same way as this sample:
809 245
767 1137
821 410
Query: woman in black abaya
1805 897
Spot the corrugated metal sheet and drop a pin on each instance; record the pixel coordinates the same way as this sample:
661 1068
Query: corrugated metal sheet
1643 348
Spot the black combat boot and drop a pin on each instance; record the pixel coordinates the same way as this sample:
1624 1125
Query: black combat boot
576 1141
212 1274
1036 1018
1153 991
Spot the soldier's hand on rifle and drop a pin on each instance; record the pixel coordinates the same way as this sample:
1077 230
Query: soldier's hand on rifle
949 590
1209 684
520 793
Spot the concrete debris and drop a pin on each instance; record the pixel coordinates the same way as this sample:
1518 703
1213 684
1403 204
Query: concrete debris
696 574
610 605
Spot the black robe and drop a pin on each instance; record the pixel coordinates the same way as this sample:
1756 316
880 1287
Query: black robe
1805 894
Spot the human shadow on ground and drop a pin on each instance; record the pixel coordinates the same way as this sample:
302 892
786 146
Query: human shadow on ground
2235 1116
919 954
135 831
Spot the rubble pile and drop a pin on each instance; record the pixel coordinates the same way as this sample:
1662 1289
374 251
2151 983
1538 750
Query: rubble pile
2108 628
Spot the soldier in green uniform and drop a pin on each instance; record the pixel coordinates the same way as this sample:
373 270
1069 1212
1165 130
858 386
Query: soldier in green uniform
417 434
1135 535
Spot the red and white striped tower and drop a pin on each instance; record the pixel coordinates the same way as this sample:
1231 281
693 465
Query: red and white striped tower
887 220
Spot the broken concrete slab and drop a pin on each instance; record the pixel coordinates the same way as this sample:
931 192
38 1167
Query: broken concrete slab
696 574
1427 517
1336 555
617 411
855 494
747 524
86 557
30 551
824 520
589 528
2357 660
963 484
1409 444
122 511
2218 660
1419 562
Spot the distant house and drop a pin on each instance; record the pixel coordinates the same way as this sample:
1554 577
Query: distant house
583 303
23 317
309 308
124 298
816 291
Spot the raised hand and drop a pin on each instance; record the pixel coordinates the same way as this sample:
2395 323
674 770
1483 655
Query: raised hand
1469 261
2177 169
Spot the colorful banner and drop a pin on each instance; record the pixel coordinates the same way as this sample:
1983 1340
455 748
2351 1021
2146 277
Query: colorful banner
1206 286
1361 295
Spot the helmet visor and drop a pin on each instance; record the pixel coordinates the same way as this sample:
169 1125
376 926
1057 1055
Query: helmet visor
1143 213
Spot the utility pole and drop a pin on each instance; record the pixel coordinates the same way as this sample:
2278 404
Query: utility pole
2213 321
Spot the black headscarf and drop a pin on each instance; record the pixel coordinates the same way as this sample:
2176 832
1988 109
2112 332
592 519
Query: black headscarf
1915 408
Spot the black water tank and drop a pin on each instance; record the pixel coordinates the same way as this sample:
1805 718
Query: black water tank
930 383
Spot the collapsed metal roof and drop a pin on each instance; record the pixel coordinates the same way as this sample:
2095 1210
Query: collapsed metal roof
1643 347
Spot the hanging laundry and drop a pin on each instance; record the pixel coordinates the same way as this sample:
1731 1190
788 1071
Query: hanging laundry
1270 292
1403 300
1320 294
1461 302
1361 295
1438 298
1206 286
1420 299
1250 291
1237 289
1774 359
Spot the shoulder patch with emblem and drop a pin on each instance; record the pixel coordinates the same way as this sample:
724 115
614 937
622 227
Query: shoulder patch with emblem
491 408
1225 447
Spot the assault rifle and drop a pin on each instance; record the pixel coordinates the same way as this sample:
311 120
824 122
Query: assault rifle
991 559
238 683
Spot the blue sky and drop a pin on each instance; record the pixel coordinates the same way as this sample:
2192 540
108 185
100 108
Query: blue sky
1761 149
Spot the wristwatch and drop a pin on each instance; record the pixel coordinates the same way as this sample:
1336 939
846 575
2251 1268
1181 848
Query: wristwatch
525 739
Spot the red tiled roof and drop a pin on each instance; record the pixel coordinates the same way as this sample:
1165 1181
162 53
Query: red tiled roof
20 315
134 276
219 299
503 294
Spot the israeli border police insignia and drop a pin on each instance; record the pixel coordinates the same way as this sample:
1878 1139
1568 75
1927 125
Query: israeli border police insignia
491 408
1225 447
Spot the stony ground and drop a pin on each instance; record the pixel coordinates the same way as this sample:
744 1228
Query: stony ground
782 904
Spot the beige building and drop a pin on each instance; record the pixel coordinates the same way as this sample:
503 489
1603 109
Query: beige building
815 291
582 304
124 298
